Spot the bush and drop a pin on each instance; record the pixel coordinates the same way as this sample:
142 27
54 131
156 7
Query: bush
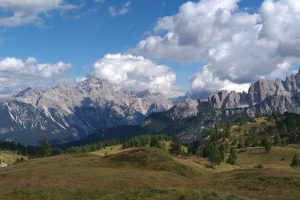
295 161
265 142
232 157
259 166
19 160
268 147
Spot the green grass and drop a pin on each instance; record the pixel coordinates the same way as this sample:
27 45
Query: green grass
244 130
279 157
150 174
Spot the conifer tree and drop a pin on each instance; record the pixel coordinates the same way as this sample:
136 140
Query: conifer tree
232 157
214 153
154 142
175 146
45 148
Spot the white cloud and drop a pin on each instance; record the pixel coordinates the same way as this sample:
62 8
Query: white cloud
113 11
80 79
16 74
21 12
238 47
137 73
205 81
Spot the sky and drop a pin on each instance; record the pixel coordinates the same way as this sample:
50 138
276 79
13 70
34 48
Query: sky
167 46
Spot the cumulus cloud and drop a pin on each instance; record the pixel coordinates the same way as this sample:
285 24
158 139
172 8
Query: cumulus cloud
16 74
21 12
137 73
80 79
113 11
205 81
238 47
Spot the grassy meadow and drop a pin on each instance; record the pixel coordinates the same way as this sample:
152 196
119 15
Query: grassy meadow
150 173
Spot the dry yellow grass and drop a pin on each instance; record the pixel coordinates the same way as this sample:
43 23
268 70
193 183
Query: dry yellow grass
278 157
110 150
148 173
9 157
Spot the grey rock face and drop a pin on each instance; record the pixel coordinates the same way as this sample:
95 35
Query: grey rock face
65 113
263 97
190 118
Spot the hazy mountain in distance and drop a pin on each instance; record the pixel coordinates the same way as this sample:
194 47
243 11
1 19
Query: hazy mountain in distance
64 113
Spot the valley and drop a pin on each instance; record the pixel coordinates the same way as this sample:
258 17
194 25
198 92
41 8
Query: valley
148 167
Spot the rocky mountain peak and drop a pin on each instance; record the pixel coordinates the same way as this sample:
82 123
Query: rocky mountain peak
95 84
263 97
23 92
64 112
143 93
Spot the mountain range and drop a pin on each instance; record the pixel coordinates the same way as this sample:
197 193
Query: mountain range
190 118
67 113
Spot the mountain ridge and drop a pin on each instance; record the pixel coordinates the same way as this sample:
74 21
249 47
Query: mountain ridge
263 97
190 118
65 113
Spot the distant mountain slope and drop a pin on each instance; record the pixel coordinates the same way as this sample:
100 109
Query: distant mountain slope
64 113
263 97
188 129
190 118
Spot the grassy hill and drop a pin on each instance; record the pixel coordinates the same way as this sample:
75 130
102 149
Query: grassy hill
9 157
150 173
127 168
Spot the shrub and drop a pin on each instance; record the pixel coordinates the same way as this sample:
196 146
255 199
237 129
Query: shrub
295 161
232 157
259 166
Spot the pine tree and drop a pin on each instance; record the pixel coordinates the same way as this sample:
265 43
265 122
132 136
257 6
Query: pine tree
232 157
154 142
214 154
241 144
222 152
175 146
45 148
284 129
193 148
295 161
248 142
267 146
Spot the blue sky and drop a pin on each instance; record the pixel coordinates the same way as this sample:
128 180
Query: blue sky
86 31
84 35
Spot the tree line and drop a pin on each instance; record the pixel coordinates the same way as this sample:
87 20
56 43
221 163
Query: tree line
214 145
